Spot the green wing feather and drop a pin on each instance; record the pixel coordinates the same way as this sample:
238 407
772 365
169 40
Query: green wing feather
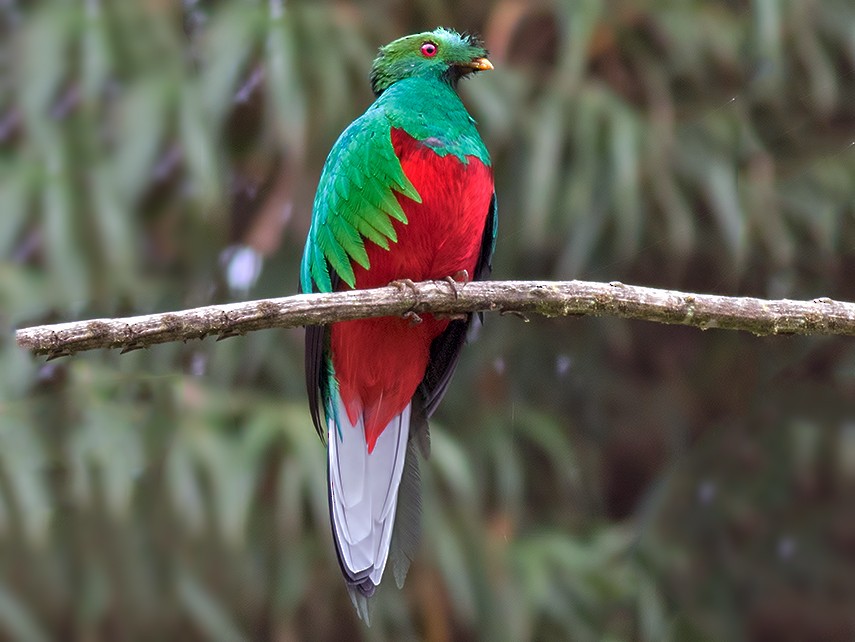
355 201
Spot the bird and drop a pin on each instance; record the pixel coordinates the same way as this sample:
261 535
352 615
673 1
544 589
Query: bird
406 194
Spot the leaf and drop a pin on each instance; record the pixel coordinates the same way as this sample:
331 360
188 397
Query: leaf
822 75
142 116
61 228
108 441
23 460
197 140
449 555
585 217
542 177
15 195
846 451
626 179
229 39
96 55
231 472
184 487
724 202
449 461
509 471
17 620
651 612
206 611
287 95
44 42
325 65
543 431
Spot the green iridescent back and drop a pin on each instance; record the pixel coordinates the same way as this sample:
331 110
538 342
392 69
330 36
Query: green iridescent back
356 199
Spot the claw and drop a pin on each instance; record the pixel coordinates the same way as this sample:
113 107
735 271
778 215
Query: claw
414 318
459 277
514 313
462 276
401 284
450 280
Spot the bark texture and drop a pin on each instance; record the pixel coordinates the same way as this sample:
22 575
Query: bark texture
547 298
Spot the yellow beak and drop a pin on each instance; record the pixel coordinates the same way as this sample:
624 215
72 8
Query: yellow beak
481 64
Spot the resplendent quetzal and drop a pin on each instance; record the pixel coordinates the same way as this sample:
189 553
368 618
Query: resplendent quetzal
406 193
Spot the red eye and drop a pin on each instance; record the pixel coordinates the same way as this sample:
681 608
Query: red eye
429 49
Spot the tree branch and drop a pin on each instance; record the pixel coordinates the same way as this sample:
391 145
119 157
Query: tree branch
548 298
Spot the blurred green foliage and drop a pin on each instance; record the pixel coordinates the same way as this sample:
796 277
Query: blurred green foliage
590 479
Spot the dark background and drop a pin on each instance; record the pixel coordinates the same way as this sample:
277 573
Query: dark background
590 479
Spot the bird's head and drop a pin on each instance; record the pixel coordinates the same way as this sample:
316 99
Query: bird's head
442 53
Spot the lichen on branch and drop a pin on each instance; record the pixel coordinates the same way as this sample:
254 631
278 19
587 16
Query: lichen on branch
821 316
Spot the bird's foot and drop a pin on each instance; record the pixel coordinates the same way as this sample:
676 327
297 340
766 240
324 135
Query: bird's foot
413 317
459 278
404 284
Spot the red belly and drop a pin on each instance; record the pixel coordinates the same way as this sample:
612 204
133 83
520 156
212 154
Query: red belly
379 362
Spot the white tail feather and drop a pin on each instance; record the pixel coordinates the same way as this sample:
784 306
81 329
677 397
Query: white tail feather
364 489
